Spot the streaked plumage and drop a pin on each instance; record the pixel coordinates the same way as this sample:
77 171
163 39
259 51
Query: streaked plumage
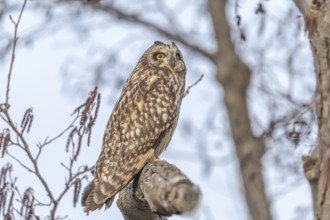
141 124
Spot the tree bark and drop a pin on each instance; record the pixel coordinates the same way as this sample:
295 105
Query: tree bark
160 190
317 165
234 76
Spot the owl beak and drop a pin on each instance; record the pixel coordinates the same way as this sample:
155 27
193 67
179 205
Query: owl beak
172 62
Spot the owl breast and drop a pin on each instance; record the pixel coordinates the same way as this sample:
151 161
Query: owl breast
173 91
153 111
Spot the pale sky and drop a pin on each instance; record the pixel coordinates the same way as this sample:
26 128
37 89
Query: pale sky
38 81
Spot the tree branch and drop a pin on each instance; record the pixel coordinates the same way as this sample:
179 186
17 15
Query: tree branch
72 177
15 39
48 141
20 163
122 15
302 5
234 75
29 154
6 106
192 85
160 190
317 166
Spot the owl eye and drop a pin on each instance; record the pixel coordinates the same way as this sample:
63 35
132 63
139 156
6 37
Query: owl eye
160 56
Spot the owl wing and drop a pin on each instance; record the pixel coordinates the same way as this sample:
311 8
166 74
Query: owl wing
138 127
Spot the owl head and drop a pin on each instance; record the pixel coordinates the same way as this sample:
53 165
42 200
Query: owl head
167 56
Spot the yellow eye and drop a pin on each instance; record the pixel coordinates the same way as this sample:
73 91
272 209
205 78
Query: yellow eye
160 56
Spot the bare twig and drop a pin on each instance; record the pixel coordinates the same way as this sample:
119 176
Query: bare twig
48 141
87 113
15 39
20 163
26 147
9 120
192 85
89 108
6 106
72 178
287 119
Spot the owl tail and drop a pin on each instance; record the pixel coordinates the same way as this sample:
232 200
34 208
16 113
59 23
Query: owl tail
92 198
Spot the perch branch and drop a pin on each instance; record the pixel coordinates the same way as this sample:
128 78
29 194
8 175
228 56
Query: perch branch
160 190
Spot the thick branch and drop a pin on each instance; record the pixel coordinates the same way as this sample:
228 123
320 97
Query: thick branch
317 166
122 15
302 5
234 76
160 190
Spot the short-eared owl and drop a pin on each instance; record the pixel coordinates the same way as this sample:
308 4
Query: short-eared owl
141 124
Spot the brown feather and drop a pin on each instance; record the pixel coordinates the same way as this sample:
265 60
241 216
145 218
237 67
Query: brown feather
141 124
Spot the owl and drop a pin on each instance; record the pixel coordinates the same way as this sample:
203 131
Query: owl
141 124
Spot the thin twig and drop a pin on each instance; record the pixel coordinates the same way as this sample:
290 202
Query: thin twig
29 154
8 118
23 144
287 119
63 165
15 39
192 85
20 163
71 180
3 118
48 141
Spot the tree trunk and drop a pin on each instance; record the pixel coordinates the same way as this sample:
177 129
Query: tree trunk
317 165
234 76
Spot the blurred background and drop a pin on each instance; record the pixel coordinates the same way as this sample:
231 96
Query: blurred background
67 47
